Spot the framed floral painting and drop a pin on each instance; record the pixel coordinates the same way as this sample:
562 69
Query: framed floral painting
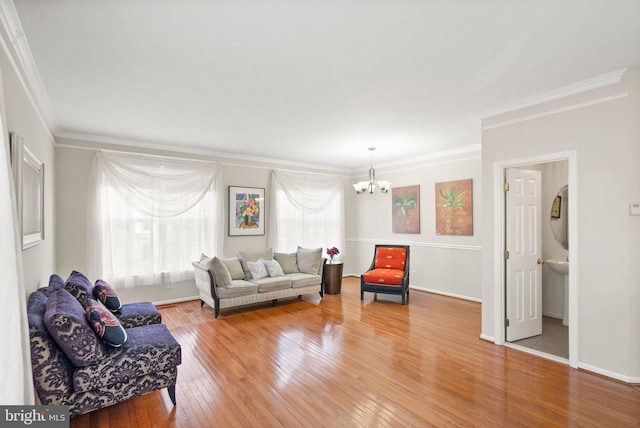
246 211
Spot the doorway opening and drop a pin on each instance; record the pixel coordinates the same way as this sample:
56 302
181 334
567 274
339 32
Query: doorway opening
557 338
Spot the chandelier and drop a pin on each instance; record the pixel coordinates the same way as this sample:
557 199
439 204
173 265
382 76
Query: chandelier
372 184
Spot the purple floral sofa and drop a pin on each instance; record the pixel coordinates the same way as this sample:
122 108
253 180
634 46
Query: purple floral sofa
87 357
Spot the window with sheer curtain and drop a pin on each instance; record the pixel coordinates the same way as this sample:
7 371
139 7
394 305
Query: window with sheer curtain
307 210
150 217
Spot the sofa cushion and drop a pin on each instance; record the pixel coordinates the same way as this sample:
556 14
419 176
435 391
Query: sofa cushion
390 258
258 269
247 256
149 349
67 325
238 288
309 260
139 314
384 276
273 267
272 284
105 324
299 280
219 270
234 267
79 286
103 292
287 261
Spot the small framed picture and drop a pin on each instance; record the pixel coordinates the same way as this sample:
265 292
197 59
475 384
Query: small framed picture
246 211
555 208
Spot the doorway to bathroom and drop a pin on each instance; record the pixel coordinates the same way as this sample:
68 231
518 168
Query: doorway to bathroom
548 271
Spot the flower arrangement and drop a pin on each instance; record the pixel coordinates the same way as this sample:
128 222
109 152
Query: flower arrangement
332 252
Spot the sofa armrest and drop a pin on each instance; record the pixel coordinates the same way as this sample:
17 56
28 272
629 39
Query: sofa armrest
205 280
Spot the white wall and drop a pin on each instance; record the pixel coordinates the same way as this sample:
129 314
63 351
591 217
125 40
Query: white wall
23 118
601 125
445 264
73 164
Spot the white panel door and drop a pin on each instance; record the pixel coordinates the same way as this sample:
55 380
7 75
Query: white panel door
524 244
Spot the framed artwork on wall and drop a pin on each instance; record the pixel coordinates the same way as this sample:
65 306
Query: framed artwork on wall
246 211
555 207
28 174
405 212
454 207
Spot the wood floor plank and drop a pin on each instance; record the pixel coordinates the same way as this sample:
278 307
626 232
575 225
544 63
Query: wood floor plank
343 362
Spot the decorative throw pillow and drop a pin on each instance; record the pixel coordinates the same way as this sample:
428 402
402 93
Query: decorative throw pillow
258 269
287 261
79 286
103 292
105 324
246 256
273 267
234 267
220 273
55 282
66 323
309 260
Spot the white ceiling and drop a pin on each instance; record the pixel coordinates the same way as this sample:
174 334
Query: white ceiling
313 81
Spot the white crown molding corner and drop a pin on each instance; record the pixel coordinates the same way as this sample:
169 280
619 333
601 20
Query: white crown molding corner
554 94
26 67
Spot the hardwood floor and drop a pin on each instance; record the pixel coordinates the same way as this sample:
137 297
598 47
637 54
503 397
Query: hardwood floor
345 363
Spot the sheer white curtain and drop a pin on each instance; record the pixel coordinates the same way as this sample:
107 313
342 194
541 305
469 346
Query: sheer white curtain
306 210
16 381
150 217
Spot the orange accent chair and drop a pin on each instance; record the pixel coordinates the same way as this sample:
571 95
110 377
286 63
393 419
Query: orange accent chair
388 273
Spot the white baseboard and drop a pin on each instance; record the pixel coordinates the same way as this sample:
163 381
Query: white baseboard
609 373
552 315
487 338
180 300
445 293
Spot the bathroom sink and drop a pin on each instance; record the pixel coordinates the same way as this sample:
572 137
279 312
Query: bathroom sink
558 265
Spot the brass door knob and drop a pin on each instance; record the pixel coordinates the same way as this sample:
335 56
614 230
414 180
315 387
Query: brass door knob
540 261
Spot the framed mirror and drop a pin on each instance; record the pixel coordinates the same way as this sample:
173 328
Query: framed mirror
28 172
560 218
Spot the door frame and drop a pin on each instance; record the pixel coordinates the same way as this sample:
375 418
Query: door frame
499 235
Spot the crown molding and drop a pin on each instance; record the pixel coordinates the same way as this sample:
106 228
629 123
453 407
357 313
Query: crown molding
80 141
26 65
564 91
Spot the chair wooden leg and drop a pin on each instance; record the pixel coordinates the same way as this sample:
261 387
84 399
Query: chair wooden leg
201 303
172 393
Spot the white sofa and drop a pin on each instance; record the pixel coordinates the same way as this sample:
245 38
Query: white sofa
237 281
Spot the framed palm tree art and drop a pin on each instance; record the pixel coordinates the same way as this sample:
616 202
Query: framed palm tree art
454 207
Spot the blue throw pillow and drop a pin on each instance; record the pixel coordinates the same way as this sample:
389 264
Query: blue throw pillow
103 292
105 324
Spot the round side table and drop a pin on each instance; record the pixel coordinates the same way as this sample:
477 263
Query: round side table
332 278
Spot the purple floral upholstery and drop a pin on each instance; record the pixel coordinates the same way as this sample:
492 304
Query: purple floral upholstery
138 314
149 349
80 287
146 363
67 324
